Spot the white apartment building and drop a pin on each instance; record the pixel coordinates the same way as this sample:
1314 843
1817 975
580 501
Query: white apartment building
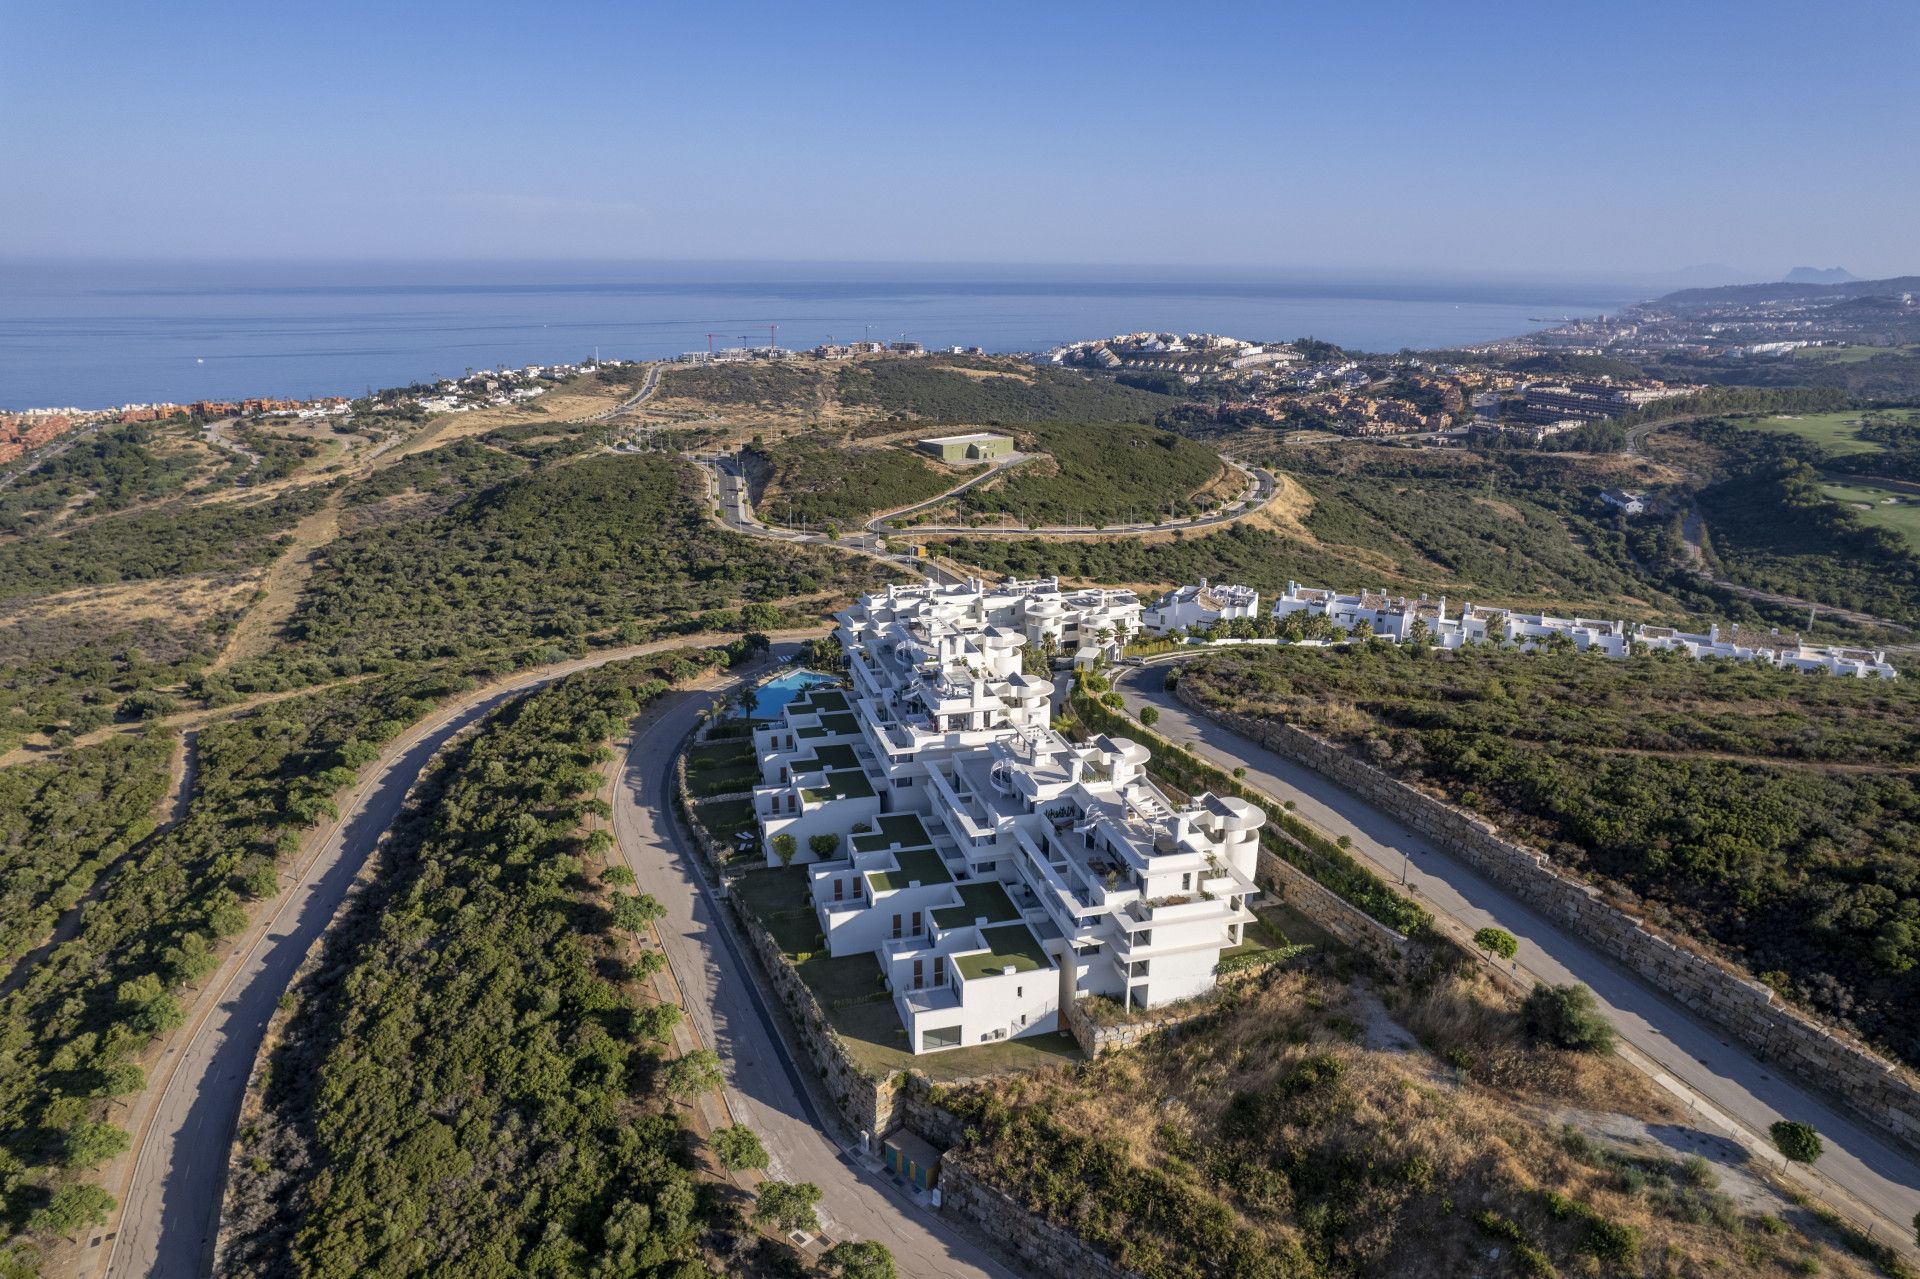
1393 618
993 868
1202 606
935 670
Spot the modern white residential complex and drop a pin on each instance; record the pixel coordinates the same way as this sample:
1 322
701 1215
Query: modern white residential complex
1202 605
1394 618
995 869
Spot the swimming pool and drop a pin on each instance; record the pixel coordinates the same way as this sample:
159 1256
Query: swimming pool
775 694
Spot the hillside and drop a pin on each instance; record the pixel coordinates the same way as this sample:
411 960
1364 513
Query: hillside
1788 839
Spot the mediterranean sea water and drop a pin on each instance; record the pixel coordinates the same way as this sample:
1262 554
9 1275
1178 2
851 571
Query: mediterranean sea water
94 334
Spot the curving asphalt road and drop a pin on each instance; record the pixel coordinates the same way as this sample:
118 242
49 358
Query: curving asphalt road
1727 1086
171 1181
764 1087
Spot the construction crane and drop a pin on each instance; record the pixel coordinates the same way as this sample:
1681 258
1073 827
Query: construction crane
710 338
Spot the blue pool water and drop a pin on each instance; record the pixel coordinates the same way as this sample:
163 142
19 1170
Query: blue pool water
775 694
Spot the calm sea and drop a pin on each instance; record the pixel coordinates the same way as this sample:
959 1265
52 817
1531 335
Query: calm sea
96 334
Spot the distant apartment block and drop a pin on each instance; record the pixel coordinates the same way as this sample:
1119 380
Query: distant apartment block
1394 618
1200 606
995 869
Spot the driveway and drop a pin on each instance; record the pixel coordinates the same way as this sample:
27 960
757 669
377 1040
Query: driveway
764 1089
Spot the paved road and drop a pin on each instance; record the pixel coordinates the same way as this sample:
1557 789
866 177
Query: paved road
170 1183
1863 1164
764 1089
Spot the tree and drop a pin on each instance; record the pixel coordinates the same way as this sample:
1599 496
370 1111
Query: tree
619 875
1497 941
72 1209
737 1147
784 847
860 1259
634 913
823 845
1797 1141
693 1074
88 1143
1149 716
789 1205
1566 1017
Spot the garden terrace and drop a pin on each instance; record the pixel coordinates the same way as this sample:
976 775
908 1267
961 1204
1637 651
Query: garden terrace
1008 946
921 865
987 900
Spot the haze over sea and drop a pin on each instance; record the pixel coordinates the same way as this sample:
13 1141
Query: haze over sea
96 334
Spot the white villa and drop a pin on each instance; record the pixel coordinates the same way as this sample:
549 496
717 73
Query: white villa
995 869
1394 618
1201 605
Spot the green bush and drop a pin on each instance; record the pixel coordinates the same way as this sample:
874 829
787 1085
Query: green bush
1797 1141
738 1147
789 1205
1566 1017
1497 941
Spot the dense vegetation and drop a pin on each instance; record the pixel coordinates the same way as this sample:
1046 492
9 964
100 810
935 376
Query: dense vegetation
1490 527
433 480
743 385
991 392
1097 475
474 1080
1892 376
1773 527
62 823
1271 1139
73 1025
816 484
547 558
1776 815
166 542
109 471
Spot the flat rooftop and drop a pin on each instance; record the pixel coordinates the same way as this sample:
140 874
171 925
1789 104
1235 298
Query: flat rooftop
969 437
922 864
904 829
988 901
1008 946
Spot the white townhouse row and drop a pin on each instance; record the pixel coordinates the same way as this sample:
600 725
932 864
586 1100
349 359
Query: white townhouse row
1202 605
1395 617
995 869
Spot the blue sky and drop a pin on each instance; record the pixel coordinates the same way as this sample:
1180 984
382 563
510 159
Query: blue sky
1556 138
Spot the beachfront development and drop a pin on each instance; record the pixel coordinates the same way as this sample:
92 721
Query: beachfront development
995 869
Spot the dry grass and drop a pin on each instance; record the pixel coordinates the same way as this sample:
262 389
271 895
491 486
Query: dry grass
285 578
1355 1160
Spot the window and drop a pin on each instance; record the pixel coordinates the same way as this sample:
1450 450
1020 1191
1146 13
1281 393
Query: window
1186 882
896 925
943 1037
901 783
916 923
919 975
1020 992
839 890
940 972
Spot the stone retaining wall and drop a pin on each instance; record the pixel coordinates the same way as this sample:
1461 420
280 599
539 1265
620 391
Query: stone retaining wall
1347 922
871 1107
1039 1245
1870 1085
1095 1038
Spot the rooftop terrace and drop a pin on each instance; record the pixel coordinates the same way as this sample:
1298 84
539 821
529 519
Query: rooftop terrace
921 864
986 900
1008 946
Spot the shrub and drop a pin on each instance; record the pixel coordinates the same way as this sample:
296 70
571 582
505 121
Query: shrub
618 875
823 845
1567 1017
861 1259
789 1205
737 1147
1149 716
634 914
72 1209
1797 1141
784 847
